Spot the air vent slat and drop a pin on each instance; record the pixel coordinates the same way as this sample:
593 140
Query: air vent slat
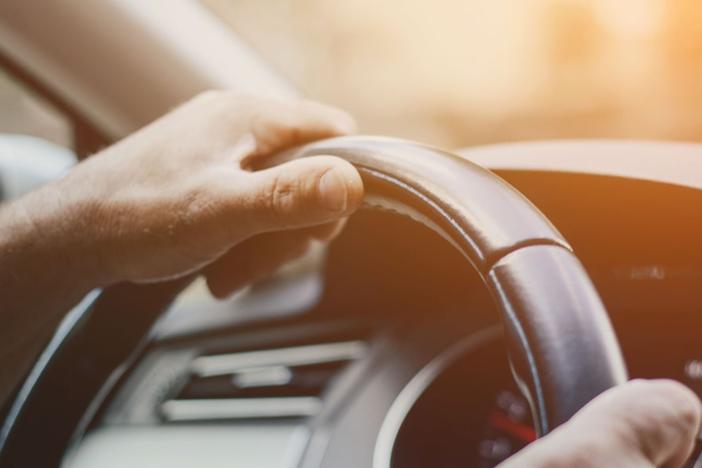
300 381
273 383
233 408
222 364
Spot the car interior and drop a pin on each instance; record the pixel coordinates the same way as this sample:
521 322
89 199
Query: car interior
524 244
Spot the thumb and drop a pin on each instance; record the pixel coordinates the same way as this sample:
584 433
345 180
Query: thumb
638 424
302 193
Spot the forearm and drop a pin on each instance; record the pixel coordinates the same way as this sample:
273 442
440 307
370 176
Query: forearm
40 280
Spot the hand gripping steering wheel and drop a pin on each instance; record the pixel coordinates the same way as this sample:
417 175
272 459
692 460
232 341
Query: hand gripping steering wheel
562 348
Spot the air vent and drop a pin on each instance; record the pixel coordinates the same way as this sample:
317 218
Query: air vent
273 383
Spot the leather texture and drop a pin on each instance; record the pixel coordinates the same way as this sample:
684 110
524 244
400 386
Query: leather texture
562 347
479 212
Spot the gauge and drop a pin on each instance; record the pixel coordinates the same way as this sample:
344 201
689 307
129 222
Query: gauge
508 429
471 415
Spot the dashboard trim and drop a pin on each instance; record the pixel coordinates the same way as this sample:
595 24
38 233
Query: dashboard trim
656 161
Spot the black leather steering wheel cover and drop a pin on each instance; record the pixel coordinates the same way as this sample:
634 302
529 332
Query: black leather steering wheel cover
483 215
549 314
562 347
563 350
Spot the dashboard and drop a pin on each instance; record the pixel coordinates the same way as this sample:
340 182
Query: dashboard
386 351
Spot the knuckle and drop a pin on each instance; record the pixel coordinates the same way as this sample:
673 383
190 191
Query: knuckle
198 215
281 198
291 132
209 96
199 206
240 102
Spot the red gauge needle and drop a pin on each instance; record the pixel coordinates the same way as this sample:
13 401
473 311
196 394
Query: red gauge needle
501 421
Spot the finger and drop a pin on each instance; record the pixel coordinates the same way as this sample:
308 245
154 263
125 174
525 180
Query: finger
296 194
260 256
252 260
660 419
639 424
290 124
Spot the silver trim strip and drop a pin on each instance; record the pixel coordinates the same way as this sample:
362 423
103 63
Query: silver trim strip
382 454
239 408
224 364
69 322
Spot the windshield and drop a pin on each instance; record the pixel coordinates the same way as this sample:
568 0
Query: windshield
464 72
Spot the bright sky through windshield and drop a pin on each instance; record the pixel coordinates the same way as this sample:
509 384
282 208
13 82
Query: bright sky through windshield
463 72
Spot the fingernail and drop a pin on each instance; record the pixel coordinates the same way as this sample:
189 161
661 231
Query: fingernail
332 190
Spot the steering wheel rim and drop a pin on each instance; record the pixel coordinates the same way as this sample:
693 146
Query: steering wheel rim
562 348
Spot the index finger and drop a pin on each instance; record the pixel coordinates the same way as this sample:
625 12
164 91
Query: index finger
289 124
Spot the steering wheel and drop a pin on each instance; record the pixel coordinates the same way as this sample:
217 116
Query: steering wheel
563 351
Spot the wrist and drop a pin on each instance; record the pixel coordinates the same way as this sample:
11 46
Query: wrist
42 240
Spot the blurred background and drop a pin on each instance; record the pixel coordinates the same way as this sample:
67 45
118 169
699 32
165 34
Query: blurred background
458 73
464 72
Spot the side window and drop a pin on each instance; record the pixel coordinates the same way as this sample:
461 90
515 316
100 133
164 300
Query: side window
25 113
36 139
